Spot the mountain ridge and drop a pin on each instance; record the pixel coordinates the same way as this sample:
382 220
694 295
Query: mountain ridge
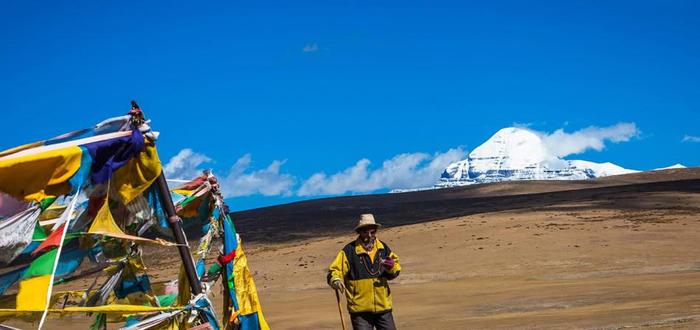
514 154
334 215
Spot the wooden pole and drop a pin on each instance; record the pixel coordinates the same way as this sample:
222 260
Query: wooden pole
175 224
174 220
340 310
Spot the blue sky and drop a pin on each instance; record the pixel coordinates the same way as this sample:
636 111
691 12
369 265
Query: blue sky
272 94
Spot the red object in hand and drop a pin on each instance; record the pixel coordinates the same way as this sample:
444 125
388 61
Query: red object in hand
388 263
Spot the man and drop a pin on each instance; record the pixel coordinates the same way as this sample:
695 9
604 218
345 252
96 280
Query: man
361 270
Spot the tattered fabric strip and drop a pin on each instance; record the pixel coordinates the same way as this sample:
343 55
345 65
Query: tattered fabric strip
104 224
36 173
139 173
109 155
56 237
16 233
10 206
113 308
42 148
188 188
66 223
153 321
10 278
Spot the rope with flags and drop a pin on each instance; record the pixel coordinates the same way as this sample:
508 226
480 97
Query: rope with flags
77 212
242 306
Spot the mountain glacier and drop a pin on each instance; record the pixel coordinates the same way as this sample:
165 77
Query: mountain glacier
519 154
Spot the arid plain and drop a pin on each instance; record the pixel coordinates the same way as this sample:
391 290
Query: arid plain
612 253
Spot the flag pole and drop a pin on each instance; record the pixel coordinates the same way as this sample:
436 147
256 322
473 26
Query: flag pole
174 220
175 224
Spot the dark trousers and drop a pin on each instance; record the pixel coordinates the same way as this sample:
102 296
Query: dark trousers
368 321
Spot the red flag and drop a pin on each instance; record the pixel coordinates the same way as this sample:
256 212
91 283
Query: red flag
54 240
194 184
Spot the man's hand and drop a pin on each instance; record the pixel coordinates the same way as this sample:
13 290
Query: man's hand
388 263
338 285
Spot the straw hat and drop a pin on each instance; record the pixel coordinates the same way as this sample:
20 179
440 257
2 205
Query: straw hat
366 220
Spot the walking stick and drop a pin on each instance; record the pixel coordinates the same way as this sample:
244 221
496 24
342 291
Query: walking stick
340 310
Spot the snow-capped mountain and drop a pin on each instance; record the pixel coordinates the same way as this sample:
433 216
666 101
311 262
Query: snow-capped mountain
519 154
601 169
674 166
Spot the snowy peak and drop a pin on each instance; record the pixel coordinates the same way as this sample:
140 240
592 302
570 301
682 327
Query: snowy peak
457 170
520 154
675 166
601 169
510 148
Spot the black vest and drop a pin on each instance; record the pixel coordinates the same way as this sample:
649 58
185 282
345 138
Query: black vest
361 266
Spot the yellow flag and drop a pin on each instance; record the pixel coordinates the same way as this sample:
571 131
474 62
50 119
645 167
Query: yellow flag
33 293
21 148
104 222
138 174
36 176
246 292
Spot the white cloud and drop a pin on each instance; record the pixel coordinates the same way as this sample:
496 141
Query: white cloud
402 171
562 144
239 180
690 138
310 48
268 181
185 165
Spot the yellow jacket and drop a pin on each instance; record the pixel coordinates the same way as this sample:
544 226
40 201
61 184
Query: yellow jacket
366 280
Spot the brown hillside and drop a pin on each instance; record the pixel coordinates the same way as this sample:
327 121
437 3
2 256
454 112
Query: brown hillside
335 215
614 253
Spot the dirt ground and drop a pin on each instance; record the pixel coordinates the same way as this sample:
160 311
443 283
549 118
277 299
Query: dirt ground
614 259
564 267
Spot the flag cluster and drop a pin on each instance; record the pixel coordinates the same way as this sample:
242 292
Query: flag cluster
84 206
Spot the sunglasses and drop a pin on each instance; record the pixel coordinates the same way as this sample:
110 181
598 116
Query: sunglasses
369 231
